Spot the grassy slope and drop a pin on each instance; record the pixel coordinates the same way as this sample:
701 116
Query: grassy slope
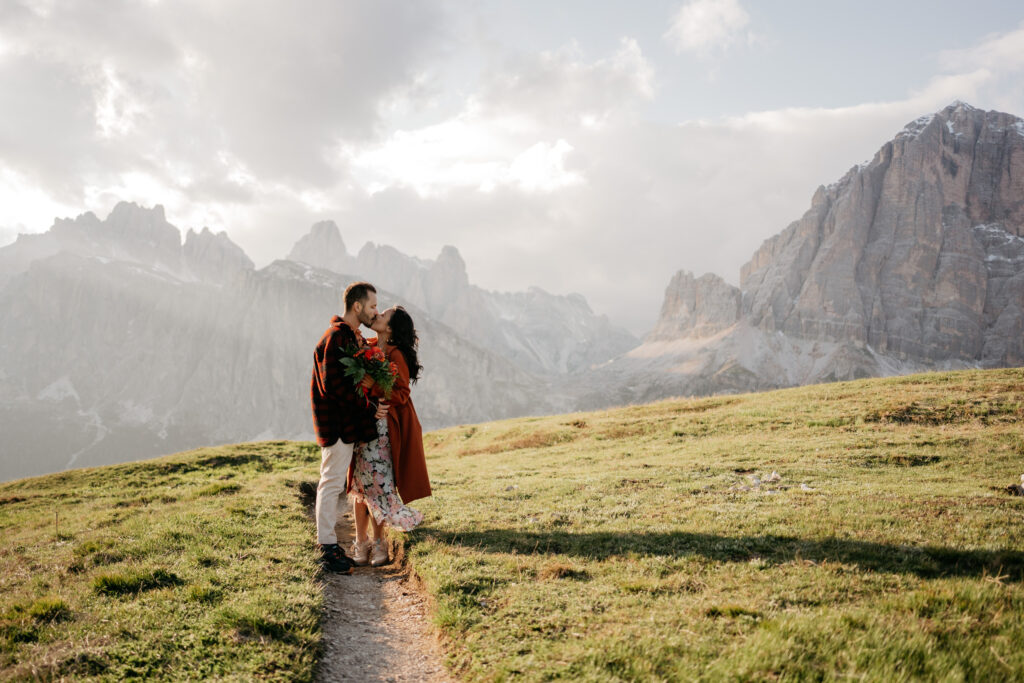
194 566
601 546
620 544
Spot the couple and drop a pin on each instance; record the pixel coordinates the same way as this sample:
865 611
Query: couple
371 447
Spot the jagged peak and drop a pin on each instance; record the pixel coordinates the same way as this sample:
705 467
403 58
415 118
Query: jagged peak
958 118
128 225
123 210
917 125
212 256
325 233
960 105
209 236
450 254
88 218
374 248
450 266
322 246
684 275
325 227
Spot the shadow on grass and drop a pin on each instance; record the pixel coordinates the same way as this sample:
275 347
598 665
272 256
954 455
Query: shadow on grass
210 462
925 562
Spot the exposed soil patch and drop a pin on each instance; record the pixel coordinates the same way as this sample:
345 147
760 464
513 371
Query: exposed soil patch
376 625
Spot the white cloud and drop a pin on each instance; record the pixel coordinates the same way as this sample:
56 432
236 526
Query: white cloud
559 87
544 171
517 132
460 152
998 51
701 195
116 108
707 26
466 152
276 86
26 206
541 168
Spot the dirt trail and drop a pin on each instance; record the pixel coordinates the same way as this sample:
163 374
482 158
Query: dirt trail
376 625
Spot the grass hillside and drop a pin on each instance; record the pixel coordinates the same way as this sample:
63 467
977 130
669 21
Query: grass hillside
629 544
194 566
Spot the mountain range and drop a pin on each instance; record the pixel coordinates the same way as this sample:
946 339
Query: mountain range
912 261
121 341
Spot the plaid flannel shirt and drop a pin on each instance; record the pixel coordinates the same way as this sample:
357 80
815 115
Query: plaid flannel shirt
338 411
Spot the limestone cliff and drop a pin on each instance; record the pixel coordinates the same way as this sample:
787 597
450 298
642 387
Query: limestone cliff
918 254
119 342
911 261
535 330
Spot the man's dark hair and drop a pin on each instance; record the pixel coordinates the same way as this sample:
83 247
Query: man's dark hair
357 291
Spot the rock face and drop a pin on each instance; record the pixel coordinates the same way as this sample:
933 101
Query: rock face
913 261
323 248
130 233
537 331
213 257
917 254
119 342
697 307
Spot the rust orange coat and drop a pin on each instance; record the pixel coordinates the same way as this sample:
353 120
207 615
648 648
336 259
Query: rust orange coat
406 436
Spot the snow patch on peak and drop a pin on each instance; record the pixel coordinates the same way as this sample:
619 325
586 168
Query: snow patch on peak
915 127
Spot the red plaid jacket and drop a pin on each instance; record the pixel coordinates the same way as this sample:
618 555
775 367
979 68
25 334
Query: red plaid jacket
338 411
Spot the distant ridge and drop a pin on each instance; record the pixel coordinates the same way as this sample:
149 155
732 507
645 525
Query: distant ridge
120 341
538 331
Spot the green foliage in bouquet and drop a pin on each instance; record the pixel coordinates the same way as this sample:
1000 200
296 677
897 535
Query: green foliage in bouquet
369 361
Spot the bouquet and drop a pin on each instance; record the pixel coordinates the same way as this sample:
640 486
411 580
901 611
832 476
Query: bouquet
370 362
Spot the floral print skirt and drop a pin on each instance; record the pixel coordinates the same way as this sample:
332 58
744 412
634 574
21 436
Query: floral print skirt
374 482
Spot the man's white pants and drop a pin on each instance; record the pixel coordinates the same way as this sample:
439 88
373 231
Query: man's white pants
334 460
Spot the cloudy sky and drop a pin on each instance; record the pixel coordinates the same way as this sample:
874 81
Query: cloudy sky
579 146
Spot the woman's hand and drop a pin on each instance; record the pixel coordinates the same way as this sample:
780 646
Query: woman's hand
367 382
382 411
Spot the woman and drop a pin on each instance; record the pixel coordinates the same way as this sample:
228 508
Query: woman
395 461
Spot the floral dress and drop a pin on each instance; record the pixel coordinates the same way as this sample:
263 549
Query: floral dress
374 482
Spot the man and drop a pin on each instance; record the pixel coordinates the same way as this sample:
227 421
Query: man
340 416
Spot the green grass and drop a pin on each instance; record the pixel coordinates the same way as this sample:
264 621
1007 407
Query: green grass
196 566
627 544
630 545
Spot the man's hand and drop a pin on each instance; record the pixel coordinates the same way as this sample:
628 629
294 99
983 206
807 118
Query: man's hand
382 411
367 382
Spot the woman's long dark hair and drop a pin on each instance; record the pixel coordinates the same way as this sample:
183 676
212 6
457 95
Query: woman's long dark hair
403 336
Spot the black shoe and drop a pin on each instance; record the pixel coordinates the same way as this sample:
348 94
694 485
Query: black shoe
334 559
